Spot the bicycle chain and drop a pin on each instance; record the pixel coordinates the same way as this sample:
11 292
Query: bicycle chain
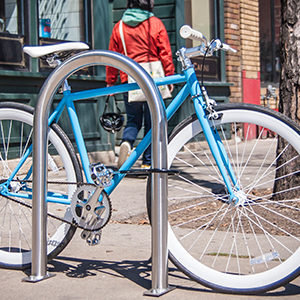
138 171
74 224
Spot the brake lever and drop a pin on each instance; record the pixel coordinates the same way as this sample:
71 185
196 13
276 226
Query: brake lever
219 45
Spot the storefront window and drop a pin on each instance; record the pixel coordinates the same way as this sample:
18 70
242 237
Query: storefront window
10 21
269 26
62 20
200 15
12 37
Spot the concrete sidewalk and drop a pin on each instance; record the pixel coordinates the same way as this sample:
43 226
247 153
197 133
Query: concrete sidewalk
118 268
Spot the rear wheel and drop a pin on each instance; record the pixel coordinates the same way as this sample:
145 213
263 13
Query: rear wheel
15 216
251 246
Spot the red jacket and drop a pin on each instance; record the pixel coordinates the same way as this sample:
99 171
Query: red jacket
139 48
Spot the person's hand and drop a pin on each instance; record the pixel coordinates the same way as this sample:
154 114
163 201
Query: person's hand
171 87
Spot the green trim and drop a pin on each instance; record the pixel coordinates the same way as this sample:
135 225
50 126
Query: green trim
16 96
9 73
110 19
179 21
33 31
222 37
44 75
101 29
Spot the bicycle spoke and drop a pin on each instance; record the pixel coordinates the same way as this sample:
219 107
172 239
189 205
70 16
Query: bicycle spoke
200 187
19 226
215 231
267 173
272 225
233 245
26 146
267 236
250 155
257 177
279 214
203 164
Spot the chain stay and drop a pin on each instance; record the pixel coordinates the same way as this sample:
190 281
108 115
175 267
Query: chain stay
73 223
107 175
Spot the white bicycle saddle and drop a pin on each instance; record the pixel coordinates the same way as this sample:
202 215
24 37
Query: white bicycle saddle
38 51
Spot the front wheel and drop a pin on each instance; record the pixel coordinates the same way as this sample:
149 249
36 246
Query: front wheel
252 245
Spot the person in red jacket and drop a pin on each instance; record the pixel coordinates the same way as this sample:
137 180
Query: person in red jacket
146 40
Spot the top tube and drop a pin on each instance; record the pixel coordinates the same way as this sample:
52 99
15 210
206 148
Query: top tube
123 88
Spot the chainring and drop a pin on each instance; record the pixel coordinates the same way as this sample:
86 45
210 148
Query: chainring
87 218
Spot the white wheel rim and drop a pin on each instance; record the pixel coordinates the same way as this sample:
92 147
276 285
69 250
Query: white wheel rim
201 271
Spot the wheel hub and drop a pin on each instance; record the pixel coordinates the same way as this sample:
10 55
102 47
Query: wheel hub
240 198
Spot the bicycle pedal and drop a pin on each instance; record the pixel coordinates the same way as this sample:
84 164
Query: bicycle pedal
101 175
92 238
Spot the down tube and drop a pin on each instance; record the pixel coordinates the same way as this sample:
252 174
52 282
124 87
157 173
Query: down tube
145 142
79 139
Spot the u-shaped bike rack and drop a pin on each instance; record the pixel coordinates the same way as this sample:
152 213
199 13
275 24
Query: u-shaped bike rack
159 161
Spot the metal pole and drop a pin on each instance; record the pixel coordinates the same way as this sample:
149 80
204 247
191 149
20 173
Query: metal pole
159 161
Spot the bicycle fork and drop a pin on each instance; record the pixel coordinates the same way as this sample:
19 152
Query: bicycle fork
214 141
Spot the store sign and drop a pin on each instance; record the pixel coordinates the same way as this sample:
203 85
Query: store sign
211 68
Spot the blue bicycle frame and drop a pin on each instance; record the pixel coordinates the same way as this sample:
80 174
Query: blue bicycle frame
192 88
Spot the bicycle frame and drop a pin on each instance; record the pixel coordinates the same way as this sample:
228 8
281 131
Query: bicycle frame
191 87
68 102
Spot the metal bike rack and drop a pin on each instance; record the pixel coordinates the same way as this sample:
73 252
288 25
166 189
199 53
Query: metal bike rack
159 161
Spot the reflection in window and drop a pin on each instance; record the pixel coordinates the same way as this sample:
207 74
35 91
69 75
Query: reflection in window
202 16
61 20
9 16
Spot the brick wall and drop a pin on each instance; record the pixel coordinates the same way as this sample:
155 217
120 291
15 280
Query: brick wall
250 37
232 30
241 19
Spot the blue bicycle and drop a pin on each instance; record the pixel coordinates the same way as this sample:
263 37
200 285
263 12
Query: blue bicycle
233 206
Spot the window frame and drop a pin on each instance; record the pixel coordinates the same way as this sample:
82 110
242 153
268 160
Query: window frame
216 63
86 24
16 40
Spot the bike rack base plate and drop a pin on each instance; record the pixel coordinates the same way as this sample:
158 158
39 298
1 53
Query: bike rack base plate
158 292
33 278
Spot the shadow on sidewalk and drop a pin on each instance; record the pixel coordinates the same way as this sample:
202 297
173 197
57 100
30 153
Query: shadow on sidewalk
139 272
136 271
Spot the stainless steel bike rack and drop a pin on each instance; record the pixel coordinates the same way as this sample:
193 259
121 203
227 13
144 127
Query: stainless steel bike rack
159 161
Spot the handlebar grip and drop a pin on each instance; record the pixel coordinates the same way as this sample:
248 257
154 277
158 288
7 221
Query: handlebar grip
187 32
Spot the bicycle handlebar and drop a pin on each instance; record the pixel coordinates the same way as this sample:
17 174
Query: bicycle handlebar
187 32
